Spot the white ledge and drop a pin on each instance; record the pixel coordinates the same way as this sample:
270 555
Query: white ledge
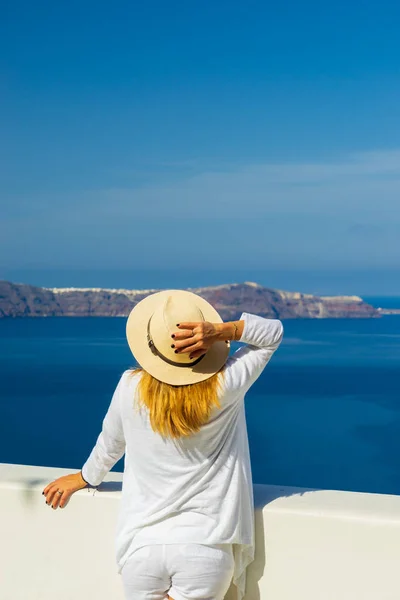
310 544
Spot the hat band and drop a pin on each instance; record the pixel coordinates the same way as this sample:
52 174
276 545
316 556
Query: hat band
155 351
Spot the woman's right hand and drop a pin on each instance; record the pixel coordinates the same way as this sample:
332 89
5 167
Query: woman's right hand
197 338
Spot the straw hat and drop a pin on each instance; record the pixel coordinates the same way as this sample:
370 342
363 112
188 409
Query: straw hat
149 328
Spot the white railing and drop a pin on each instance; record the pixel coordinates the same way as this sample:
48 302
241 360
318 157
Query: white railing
310 545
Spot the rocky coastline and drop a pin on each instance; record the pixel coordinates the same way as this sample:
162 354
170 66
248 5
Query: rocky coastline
23 300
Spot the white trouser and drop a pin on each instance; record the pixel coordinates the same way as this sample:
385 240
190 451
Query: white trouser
183 571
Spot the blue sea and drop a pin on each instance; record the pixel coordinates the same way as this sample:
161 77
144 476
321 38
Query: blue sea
324 414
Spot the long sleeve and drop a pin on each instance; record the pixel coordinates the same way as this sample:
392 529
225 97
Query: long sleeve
262 338
110 444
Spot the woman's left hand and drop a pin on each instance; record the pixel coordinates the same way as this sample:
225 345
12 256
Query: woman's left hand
68 484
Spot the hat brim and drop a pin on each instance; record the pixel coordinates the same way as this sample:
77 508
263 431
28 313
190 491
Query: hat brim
136 333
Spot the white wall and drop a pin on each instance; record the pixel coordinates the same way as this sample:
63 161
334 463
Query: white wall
310 545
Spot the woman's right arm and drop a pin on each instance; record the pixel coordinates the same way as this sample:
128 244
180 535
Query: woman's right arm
261 335
262 338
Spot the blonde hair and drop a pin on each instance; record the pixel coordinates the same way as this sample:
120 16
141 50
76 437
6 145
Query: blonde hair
177 410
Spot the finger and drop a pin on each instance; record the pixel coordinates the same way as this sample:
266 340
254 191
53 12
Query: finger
47 488
61 500
183 344
64 499
183 334
47 491
191 348
56 499
189 324
50 494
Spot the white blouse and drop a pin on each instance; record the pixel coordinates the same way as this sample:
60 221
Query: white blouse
196 489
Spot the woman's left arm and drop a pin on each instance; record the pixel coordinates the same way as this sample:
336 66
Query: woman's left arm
109 448
110 445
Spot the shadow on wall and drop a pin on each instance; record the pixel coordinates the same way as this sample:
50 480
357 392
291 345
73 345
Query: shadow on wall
263 495
256 569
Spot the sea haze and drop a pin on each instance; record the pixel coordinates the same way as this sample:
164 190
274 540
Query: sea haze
363 283
325 413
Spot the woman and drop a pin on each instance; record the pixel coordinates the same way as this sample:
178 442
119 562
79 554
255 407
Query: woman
186 519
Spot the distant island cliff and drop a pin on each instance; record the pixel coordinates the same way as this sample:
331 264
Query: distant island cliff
21 300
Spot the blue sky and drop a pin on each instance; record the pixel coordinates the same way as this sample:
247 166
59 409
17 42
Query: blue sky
192 135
